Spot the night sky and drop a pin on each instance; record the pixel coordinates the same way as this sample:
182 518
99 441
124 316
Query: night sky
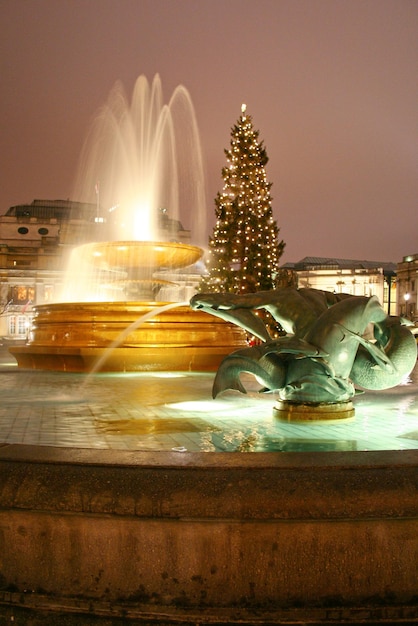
332 86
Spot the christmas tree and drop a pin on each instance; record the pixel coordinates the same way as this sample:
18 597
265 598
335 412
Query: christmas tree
244 250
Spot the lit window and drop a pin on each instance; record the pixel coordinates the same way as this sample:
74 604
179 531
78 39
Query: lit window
12 325
21 325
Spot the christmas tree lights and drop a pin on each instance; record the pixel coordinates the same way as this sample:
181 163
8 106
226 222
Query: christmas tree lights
244 250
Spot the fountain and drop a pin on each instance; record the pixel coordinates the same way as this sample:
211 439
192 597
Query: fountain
171 536
138 159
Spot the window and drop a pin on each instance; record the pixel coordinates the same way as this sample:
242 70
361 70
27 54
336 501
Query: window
48 293
21 325
21 294
12 325
21 263
17 325
23 230
43 231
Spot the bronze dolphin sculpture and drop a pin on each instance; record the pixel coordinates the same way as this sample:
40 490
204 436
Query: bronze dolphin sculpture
325 353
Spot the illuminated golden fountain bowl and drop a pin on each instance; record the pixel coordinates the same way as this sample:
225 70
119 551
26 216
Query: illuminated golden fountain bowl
140 254
77 337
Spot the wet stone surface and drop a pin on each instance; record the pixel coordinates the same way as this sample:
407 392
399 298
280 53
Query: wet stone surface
163 411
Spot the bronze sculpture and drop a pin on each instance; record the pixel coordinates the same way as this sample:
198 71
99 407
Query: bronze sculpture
324 355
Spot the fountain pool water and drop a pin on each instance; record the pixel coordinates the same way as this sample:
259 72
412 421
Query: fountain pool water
166 411
127 499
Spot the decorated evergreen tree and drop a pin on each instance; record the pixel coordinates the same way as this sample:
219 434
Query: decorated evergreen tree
244 250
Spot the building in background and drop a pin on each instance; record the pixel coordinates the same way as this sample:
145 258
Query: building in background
357 278
407 278
35 244
36 240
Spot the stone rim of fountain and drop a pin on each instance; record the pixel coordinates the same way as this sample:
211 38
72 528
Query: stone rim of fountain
360 505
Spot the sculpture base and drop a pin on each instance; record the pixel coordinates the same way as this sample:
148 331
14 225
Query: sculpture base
290 411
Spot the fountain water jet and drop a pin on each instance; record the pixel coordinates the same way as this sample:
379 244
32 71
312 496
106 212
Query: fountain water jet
139 159
142 156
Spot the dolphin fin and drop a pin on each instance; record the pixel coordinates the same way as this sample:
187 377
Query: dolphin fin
225 380
227 376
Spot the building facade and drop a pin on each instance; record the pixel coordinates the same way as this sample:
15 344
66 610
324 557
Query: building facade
36 241
355 277
407 279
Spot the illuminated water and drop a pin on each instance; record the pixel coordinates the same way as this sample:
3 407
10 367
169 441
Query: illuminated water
141 165
122 336
159 411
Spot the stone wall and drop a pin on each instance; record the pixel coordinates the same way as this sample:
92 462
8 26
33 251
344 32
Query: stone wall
257 533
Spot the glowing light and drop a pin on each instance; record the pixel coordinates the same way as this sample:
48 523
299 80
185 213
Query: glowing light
169 375
343 356
147 156
206 406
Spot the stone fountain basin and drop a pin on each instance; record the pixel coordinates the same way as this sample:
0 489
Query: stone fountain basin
74 337
209 538
139 254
